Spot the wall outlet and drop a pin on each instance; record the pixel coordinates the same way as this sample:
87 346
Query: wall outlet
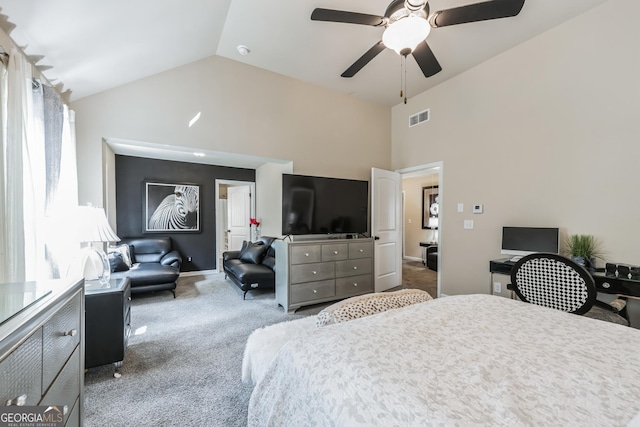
497 287
468 224
189 258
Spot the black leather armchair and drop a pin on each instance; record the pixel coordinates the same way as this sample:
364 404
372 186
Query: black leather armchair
156 265
252 267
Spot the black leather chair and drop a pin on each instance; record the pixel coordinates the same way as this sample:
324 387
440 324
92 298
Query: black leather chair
156 265
554 281
252 267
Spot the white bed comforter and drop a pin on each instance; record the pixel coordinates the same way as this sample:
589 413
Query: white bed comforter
456 361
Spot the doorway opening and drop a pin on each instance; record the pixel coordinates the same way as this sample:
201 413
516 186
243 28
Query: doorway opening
421 217
235 205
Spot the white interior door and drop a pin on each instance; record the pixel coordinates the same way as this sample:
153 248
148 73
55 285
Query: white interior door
239 213
386 191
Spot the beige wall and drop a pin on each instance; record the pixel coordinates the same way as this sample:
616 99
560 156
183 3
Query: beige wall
243 110
545 134
413 231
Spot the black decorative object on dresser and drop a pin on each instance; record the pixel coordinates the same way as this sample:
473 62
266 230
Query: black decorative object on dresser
107 322
42 346
311 272
150 262
252 266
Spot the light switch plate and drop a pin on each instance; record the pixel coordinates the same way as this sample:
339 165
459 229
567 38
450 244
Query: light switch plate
460 207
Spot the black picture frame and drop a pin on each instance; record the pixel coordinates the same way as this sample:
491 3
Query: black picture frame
171 207
430 206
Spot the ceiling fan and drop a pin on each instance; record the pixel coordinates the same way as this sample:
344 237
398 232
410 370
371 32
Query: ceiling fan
407 24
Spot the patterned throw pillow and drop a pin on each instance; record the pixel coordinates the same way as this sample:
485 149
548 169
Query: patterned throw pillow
124 252
366 305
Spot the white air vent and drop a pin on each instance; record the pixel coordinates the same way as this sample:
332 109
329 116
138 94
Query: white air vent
416 119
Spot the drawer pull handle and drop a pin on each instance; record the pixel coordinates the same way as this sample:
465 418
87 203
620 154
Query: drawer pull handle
355 267
315 292
17 401
71 333
335 252
306 254
314 272
355 284
361 250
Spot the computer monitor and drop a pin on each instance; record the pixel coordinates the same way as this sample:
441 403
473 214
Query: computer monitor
520 241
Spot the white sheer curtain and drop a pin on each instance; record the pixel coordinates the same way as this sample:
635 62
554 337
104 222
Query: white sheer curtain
38 180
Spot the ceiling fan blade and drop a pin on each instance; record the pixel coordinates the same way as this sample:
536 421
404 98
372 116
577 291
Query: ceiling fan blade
477 12
426 59
331 15
364 60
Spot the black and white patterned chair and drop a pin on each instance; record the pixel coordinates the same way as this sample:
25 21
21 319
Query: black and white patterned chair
554 281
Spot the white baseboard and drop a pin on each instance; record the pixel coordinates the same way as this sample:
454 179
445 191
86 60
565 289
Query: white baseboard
197 273
412 258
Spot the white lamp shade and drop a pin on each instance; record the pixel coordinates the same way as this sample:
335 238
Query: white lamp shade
433 222
93 226
406 33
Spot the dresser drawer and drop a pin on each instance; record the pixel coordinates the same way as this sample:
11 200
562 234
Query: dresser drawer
60 336
360 250
305 253
21 371
335 252
312 291
312 272
353 267
347 286
66 388
73 420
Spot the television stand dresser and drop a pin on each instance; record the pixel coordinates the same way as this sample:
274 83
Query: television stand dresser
316 271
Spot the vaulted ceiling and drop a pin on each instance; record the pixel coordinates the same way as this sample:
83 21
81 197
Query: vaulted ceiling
88 47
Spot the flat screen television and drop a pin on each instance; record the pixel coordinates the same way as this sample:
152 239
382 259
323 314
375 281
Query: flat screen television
520 241
319 205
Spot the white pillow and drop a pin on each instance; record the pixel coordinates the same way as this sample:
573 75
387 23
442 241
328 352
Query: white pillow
124 251
368 304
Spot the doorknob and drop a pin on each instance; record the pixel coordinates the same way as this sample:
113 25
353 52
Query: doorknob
376 238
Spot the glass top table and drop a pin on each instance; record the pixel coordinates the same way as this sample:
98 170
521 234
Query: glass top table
15 297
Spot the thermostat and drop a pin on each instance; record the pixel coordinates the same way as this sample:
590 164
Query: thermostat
477 208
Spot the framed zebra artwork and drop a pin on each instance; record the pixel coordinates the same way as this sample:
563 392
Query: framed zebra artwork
171 207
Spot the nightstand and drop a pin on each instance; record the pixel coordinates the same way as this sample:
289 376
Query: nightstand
107 321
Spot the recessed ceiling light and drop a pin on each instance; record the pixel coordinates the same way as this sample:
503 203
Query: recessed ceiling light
243 50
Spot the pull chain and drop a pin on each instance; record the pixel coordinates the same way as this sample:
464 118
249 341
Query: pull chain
401 85
405 79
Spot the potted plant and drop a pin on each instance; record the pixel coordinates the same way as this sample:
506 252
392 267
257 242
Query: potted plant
584 249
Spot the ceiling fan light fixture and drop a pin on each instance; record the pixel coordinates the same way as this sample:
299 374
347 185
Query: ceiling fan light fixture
406 33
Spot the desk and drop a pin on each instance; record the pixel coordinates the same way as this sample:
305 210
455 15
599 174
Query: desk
605 283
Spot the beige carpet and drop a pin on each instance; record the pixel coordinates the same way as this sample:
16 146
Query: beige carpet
416 276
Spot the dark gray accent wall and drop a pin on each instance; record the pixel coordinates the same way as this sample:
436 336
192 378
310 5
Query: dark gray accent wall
131 174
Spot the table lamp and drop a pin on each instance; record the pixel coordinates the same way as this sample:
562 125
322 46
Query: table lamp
433 224
92 263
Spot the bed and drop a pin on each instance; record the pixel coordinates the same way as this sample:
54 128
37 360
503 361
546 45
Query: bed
459 360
